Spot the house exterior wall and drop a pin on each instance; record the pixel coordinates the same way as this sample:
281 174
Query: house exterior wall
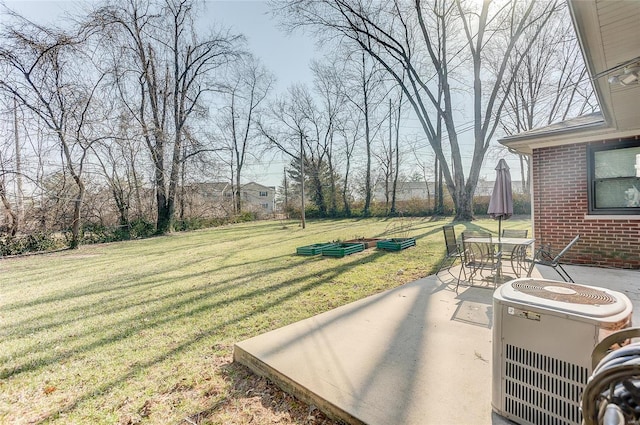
259 198
561 211
217 199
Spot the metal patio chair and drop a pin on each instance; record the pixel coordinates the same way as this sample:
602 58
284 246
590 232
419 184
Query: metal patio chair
480 256
545 257
453 250
514 253
514 233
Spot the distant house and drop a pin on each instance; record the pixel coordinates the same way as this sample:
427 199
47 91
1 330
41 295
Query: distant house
261 198
585 172
217 198
216 190
406 191
485 187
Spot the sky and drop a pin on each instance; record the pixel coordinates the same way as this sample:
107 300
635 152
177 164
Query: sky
287 55
271 44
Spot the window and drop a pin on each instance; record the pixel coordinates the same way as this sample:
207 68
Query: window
263 193
265 206
613 185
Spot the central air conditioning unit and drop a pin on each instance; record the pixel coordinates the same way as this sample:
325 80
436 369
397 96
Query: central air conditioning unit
543 334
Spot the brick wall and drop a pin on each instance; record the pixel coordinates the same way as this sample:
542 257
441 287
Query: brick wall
560 203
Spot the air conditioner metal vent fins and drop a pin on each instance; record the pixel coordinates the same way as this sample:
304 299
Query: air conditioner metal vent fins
540 389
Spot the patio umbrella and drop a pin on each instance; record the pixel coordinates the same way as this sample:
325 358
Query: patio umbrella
501 202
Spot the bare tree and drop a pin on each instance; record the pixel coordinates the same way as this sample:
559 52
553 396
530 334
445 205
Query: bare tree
295 128
35 153
286 129
333 82
420 47
389 154
551 85
363 89
351 132
8 169
119 162
304 130
245 91
425 174
329 123
11 166
394 135
43 77
173 68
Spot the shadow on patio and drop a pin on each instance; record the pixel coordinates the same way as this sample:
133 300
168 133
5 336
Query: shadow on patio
416 354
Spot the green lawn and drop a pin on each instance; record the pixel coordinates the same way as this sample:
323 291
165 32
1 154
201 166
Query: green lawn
143 331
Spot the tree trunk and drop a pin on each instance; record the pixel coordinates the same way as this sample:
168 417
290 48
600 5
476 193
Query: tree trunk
345 186
238 193
318 189
76 235
19 201
302 210
345 199
122 206
333 202
464 204
367 137
14 216
397 146
163 221
183 173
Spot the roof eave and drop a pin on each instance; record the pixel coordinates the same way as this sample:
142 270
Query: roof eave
584 20
525 144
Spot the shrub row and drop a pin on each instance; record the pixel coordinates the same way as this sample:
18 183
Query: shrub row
521 205
35 242
93 233
414 208
141 228
204 223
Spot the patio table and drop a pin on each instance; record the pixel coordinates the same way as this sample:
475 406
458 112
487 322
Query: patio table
517 248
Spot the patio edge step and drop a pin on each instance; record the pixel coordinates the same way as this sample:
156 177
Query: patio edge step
291 387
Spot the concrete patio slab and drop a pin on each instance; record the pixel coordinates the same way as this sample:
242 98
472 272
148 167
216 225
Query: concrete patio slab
416 354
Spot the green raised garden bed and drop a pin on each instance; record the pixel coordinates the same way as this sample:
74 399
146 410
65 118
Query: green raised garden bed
314 249
396 244
343 249
368 242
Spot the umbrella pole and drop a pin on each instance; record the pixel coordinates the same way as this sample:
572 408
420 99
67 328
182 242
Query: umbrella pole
500 244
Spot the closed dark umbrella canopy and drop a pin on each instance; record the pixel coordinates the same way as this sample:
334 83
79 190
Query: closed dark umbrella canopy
501 202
